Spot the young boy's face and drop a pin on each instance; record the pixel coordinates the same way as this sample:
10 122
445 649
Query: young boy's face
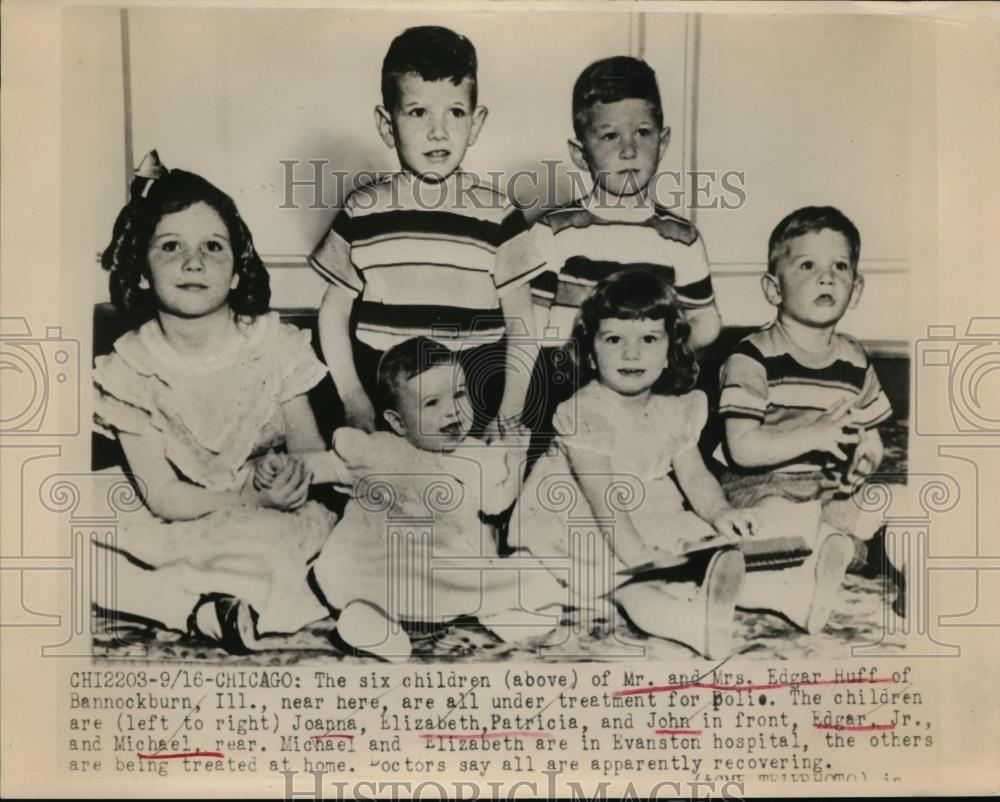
816 282
432 126
622 146
432 410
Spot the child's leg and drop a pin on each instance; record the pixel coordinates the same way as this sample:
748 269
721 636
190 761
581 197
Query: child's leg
367 628
530 605
176 597
161 596
699 616
512 632
806 593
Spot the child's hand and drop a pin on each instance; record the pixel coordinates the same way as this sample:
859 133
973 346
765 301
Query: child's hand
493 431
267 468
736 523
359 412
289 488
867 457
507 429
831 430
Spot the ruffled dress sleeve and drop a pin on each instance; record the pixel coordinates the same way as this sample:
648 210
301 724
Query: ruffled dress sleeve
301 370
584 423
681 420
123 399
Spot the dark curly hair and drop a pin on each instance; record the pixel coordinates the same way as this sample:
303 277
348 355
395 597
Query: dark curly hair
126 257
635 293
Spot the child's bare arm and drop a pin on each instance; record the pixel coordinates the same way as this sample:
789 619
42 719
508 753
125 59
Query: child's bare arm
594 475
301 431
750 444
327 467
706 496
172 499
522 350
706 323
334 337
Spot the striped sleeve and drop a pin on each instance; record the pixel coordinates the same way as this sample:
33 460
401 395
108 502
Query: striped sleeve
872 404
693 278
743 384
518 259
332 256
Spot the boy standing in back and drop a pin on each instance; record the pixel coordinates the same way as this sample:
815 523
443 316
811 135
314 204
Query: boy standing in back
428 251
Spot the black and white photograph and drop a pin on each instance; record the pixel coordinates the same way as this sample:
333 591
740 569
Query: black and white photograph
485 347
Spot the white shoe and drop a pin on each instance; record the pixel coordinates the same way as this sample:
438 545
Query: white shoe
720 589
832 558
703 621
225 620
367 630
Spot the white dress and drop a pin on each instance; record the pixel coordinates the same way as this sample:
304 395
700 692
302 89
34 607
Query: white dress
553 520
212 417
412 540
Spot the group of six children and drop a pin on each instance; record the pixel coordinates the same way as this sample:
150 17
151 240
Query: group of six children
428 328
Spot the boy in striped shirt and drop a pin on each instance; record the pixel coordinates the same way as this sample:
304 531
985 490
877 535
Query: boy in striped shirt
620 139
801 402
427 251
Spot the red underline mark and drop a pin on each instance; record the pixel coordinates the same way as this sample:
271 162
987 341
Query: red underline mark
711 686
345 735
677 732
458 736
855 727
141 756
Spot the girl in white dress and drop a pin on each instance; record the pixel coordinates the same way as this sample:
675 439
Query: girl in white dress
610 493
207 386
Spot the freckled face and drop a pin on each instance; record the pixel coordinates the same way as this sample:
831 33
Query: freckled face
433 124
191 262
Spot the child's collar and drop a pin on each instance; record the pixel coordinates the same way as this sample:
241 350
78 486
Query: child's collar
451 178
621 207
630 405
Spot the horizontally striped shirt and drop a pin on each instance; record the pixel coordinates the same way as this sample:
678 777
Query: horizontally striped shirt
427 258
764 380
583 244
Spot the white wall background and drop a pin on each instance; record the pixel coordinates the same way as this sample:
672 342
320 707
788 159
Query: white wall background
813 109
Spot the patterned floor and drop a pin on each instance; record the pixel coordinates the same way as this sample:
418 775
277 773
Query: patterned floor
861 616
